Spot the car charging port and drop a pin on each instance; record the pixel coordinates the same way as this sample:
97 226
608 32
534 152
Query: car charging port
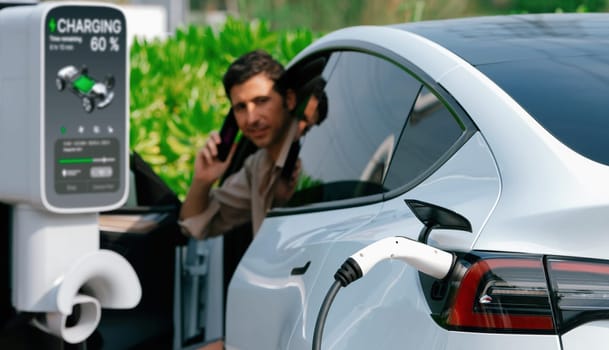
426 259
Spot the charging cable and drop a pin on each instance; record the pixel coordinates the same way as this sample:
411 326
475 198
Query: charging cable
429 260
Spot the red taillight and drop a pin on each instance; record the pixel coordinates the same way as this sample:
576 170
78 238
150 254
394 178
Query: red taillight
503 294
528 294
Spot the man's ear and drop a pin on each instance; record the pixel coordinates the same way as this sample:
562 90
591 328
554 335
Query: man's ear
290 99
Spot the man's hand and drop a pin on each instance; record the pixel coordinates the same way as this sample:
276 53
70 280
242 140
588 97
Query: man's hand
208 168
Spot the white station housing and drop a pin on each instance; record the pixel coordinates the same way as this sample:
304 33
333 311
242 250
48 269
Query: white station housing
64 88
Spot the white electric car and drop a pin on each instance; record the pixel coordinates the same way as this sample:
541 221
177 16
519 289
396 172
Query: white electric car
486 138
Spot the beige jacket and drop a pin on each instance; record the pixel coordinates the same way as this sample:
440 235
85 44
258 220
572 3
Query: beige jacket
246 195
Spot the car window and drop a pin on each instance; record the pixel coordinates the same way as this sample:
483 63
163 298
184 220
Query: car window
430 132
346 154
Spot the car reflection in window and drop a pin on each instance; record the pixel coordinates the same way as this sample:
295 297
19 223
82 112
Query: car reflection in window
313 111
313 106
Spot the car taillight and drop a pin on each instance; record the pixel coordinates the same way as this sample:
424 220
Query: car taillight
528 294
503 294
580 291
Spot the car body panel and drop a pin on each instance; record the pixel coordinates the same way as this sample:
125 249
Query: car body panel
533 164
361 313
463 340
589 336
283 244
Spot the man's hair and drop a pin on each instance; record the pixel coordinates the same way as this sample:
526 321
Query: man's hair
249 65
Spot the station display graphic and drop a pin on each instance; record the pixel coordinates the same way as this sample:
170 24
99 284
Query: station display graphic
85 104
92 93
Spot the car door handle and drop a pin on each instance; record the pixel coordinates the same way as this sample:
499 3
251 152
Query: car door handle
300 270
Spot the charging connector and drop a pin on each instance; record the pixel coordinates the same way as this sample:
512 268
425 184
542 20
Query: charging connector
429 260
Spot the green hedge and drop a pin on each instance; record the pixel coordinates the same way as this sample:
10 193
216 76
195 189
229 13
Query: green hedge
177 96
541 6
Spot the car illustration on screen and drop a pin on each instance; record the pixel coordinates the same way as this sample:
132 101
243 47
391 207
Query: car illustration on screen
93 93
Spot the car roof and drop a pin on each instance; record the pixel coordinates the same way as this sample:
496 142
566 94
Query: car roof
493 39
556 66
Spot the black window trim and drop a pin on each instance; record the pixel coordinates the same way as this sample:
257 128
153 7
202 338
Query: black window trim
447 100
329 205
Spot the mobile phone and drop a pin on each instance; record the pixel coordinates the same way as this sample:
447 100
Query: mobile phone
228 134
290 161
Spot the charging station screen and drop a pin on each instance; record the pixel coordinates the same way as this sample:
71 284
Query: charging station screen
85 105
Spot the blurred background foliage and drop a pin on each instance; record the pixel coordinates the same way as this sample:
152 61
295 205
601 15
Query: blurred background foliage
325 15
177 96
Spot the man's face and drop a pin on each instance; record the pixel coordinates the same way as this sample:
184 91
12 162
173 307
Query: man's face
261 113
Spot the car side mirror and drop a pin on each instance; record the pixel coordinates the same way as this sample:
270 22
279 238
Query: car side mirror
436 217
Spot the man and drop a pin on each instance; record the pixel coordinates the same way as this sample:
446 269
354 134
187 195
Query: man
262 111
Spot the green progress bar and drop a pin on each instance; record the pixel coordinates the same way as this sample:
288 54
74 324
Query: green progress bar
75 160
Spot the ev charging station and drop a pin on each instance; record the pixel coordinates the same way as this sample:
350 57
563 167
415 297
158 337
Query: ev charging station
64 88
